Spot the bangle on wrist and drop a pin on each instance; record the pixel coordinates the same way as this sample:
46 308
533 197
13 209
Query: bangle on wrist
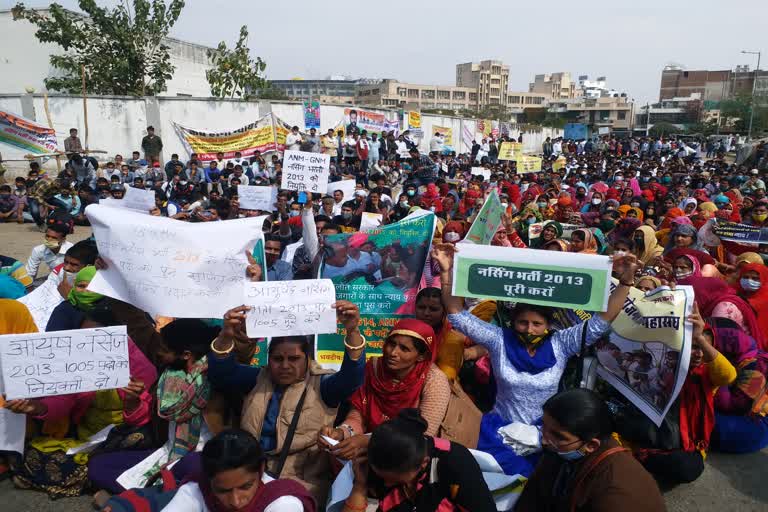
350 347
222 352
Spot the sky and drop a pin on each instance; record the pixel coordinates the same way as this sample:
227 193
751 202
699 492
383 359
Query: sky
421 41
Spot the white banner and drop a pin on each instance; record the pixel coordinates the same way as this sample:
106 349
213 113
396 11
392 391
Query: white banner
346 186
169 267
305 171
36 365
42 301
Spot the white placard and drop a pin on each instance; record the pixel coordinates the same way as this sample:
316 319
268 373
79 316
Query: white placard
13 428
63 362
370 221
283 308
346 186
42 301
256 198
305 171
169 267
481 171
290 251
139 199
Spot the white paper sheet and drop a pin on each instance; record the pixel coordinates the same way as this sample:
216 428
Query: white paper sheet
283 308
305 171
93 441
58 363
169 267
346 186
290 251
257 198
42 301
139 199
481 171
370 221
13 428
137 476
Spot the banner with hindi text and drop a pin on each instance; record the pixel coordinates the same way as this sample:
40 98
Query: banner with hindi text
26 134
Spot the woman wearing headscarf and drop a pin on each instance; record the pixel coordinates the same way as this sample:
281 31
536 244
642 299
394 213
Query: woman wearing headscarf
528 360
753 286
79 301
716 299
688 205
741 425
625 228
557 245
594 202
647 248
405 376
550 230
583 241
705 265
684 236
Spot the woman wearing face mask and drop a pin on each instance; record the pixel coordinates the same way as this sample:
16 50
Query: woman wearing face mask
407 470
527 360
595 203
694 417
753 286
583 467
234 464
647 248
401 209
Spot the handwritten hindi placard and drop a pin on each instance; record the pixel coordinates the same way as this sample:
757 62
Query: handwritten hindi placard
63 362
257 198
283 308
172 268
305 171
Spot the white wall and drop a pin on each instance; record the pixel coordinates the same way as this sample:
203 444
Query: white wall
117 124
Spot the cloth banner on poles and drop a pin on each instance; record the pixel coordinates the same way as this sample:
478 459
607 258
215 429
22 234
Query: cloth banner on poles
380 271
25 134
257 136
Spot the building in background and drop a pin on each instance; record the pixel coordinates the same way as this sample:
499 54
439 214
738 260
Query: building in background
555 86
714 86
681 112
595 88
395 94
338 90
489 79
25 62
613 113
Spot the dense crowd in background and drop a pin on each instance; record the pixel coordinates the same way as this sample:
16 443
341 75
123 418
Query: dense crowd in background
234 430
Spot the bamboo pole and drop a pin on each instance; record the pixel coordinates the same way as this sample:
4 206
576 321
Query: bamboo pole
85 106
50 125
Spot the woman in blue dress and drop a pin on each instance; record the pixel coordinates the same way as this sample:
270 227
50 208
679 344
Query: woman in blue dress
527 360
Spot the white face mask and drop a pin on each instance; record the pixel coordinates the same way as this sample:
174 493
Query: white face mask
596 200
505 205
683 274
452 236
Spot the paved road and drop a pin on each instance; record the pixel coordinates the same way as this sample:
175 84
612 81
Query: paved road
729 482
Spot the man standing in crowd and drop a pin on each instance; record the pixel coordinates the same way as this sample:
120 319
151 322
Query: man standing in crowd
152 146
72 143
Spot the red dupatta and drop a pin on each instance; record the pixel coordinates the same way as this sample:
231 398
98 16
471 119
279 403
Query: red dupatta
697 410
382 396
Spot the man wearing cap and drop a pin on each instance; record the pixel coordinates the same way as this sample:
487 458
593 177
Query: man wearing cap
152 145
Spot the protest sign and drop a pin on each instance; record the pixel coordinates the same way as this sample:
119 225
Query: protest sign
346 186
285 308
35 365
534 230
380 271
257 136
414 120
481 171
305 171
312 115
42 301
559 163
26 134
575 131
487 222
527 164
13 427
359 120
172 268
370 221
647 354
546 278
743 233
510 151
447 133
138 199
256 198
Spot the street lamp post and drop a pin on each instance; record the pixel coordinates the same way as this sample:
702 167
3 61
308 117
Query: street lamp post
754 84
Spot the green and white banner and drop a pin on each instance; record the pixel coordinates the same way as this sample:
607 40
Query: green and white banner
546 278
487 221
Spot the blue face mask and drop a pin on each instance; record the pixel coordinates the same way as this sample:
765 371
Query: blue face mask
571 455
751 285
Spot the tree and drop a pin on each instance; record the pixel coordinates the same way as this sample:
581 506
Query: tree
235 73
738 109
663 129
121 51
